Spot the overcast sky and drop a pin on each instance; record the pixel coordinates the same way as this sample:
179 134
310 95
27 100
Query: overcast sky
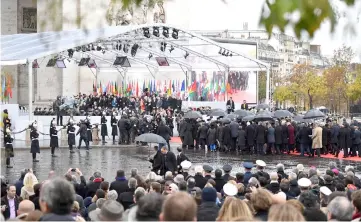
215 15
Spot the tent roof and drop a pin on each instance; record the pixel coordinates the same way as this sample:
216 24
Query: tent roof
21 48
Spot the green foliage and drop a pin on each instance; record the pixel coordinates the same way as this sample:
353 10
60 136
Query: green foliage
262 82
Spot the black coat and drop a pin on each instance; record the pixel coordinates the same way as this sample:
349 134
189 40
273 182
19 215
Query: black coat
188 134
34 136
113 122
261 134
357 137
278 135
120 185
207 211
324 136
126 198
230 105
156 162
202 132
273 187
71 135
200 181
211 136
83 131
342 138
219 183
250 134
104 128
180 158
169 162
164 132
241 139
284 134
54 142
182 127
226 135
335 130
5 201
234 129
92 188
303 135
226 177
348 137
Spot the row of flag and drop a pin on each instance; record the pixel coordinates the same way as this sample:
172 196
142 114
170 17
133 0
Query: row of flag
6 91
208 89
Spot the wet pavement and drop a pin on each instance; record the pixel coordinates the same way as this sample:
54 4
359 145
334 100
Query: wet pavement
111 158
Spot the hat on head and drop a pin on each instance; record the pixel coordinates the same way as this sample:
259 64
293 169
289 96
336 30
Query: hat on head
186 165
248 165
209 194
179 149
300 167
230 189
207 168
325 190
110 211
260 163
198 169
179 178
304 182
328 179
227 168
335 171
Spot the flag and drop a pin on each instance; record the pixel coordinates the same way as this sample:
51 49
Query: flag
154 89
9 92
183 88
228 88
100 87
223 88
115 88
192 88
3 87
165 86
151 87
137 90
170 88
173 86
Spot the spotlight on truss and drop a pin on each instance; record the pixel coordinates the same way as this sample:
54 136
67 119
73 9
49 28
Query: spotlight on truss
150 56
171 49
175 33
99 48
78 49
134 49
186 55
224 53
156 31
125 48
166 32
70 53
163 46
146 32
220 51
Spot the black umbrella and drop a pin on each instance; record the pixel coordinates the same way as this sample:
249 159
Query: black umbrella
217 113
231 116
282 114
262 106
225 120
192 115
150 138
299 118
313 114
248 118
242 113
263 116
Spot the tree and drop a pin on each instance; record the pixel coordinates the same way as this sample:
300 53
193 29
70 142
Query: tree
262 82
283 94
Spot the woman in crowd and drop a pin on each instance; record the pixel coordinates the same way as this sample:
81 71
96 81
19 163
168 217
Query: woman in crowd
28 189
233 208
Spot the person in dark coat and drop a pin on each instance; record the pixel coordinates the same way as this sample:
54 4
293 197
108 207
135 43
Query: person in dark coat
54 142
156 160
212 137
83 131
248 172
9 149
260 135
291 137
324 139
5 204
71 136
226 138
164 131
103 128
208 210
334 137
34 137
250 134
200 181
348 140
120 184
113 123
342 141
356 142
219 180
181 129
227 173
234 134
188 135
202 135
230 105
89 129
169 161
271 138
241 139
94 185
303 138
220 136
180 158
284 137
278 138
123 126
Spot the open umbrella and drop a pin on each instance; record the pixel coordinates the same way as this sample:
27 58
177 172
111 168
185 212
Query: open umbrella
192 115
217 113
313 114
242 113
225 120
231 116
262 106
263 116
150 138
248 118
299 118
282 114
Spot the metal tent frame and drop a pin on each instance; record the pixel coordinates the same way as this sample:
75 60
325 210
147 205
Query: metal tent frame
25 48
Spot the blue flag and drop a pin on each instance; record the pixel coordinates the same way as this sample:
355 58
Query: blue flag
183 88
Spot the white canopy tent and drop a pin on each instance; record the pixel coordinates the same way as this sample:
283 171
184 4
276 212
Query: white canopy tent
189 51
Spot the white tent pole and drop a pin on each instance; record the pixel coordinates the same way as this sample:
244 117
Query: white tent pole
268 86
30 79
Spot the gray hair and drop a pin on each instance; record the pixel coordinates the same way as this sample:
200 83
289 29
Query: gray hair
59 195
132 183
133 172
151 176
100 202
97 174
280 167
292 176
332 165
168 174
314 180
112 195
340 209
349 168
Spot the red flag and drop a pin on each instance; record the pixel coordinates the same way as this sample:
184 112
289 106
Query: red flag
228 88
137 90
8 88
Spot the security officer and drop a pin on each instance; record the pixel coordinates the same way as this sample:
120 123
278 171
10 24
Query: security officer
247 174
227 173
207 172
123 126
71 136
260 169
34 137
89 129
113 123
9 150
54 142
103 128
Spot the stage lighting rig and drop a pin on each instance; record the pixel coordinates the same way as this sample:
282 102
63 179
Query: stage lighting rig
134 49
163 46
125 48
156 31
186 55
146 32
171 48
150 56
175 33
91 47
70 53
224 53
78 49
220 51
166 32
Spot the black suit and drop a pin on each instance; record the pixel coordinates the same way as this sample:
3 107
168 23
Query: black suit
244 106
180 158
230 106
5 201
120 185
169 163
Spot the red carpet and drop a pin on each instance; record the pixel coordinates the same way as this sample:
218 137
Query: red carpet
328 156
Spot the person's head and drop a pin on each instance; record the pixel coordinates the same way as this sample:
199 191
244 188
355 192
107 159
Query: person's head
133 172
308 199
239 177
120 173
151 176
284 212
356 200
314 214
57 196
182 186
11 191
30 180
185 205
25 207
296 204
132 183
209 194
218 173
112 195
97 174
155 187
100 193
164 150
280 167
340 209
244 101
233 208
111 210
285 185
168 175
75 208
149 207
230 98
104 186
261 199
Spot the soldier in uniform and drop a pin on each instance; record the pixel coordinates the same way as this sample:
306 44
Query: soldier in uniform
113 123
71 136
9 150
123 125
34 137
54 142
134 128
104 128
83 131
89 129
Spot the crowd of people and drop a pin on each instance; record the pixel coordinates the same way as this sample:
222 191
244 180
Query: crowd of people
198 193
